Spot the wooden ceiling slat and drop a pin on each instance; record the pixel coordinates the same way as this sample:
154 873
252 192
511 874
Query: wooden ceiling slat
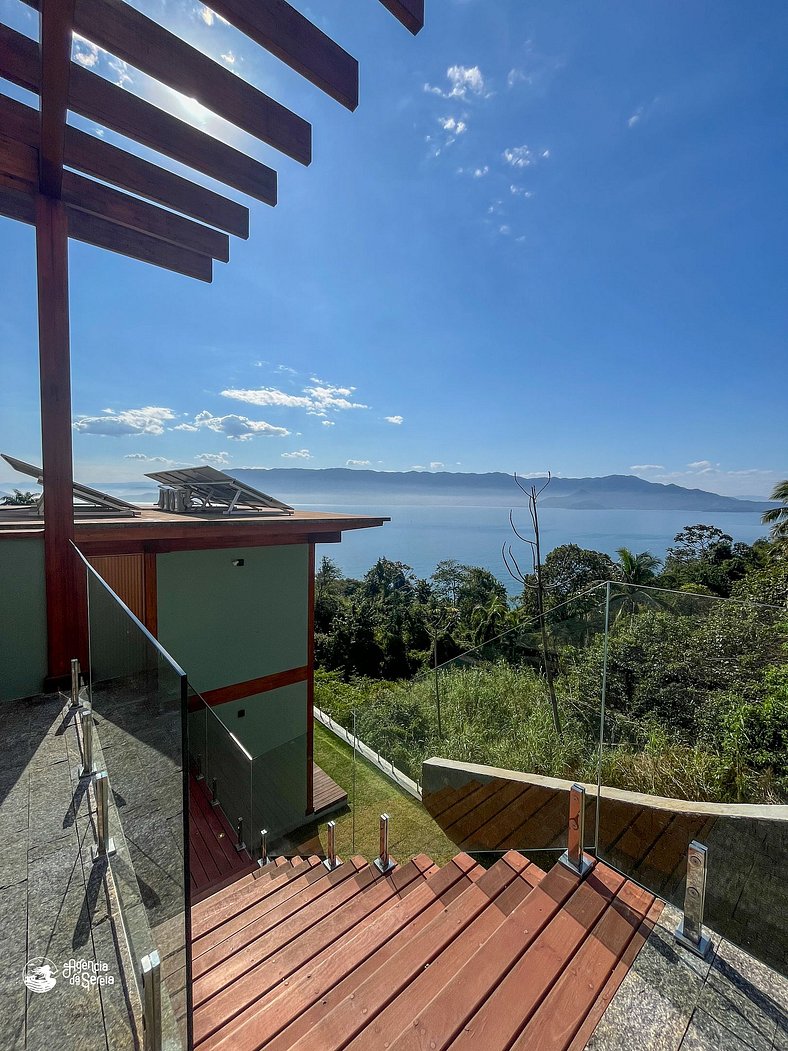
409 12
107 104
286 33
93 156
57 18
103 234
125 32
19 170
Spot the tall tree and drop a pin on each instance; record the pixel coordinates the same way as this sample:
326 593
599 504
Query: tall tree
777 517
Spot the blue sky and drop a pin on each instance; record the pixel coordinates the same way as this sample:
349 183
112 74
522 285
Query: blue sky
552 236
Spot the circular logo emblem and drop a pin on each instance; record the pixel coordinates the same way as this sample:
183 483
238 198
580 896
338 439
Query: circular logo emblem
39 975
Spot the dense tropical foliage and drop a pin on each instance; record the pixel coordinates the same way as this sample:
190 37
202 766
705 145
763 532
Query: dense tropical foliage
696 670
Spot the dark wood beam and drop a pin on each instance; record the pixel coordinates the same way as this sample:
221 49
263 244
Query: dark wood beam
93 230
409 12
96 199
93 156
286 33
112 106
124 31
63 640
100 232
57 18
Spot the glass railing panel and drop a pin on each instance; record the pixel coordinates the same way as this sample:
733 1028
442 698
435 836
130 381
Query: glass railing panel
279 790
694 748
137 695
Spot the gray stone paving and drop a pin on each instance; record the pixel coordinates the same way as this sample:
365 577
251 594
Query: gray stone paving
673 1001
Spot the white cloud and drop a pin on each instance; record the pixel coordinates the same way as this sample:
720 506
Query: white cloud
475 173
236 428
524 156
647 467
328 423
702 466
635 118
436 465
453 125
298 454
394 419
505 230
149 420
85 52
229 58
358 463
317 399
463 81
214 459
147 459
520 191
206 14
514 76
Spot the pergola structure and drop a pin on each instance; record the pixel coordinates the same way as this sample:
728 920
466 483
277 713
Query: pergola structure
68 183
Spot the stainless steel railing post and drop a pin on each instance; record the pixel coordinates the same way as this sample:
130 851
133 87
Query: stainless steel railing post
331 860
384 862
105 845
86 723
263 847
573 857
214 793
689 932
151 1002
239 836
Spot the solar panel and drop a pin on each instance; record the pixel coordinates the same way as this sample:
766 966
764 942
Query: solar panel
211 489
81 492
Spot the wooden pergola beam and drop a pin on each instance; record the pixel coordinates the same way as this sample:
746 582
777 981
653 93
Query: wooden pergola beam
286 33
409 12
93 156
57 18
97 99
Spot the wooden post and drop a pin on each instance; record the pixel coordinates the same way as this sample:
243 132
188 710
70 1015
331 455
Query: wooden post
64 608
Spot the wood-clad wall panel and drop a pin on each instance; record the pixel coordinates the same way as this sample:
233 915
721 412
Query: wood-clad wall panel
125 574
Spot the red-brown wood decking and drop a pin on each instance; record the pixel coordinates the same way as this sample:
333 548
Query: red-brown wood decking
326 794
296 957
213 860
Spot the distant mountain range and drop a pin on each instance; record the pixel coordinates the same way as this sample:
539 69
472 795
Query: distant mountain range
611 492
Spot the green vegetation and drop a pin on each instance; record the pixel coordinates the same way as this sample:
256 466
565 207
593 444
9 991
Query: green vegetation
697 688
411 830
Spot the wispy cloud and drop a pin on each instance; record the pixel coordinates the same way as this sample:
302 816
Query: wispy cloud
298 454
236 428
475 173
214 459
635 118
524 156
436 465
394 419
464 82
520 191
647 467
328 423
358 463
143 458
148 420
317 399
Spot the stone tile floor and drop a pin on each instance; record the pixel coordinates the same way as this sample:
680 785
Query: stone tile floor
53 900
673 1001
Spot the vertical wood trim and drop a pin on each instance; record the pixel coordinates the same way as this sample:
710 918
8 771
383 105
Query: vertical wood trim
151 618
310 683
57 18
65 623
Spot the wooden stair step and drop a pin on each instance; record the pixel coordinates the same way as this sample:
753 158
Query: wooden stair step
298 1005
473 912
317 943
400 1014
246 950
561 1013
254 903
213 912
494 992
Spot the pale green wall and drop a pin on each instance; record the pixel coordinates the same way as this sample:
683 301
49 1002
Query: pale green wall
23 619
225 624
271 718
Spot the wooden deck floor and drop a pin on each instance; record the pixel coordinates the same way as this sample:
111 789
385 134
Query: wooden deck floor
214 861
298 958
326 794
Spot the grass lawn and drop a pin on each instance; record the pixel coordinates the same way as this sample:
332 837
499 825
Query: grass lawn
411 829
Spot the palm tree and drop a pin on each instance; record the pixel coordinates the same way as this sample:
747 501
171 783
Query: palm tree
777 517
20 498
635 571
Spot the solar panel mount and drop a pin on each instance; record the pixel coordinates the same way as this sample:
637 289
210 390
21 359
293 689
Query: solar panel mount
206 489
